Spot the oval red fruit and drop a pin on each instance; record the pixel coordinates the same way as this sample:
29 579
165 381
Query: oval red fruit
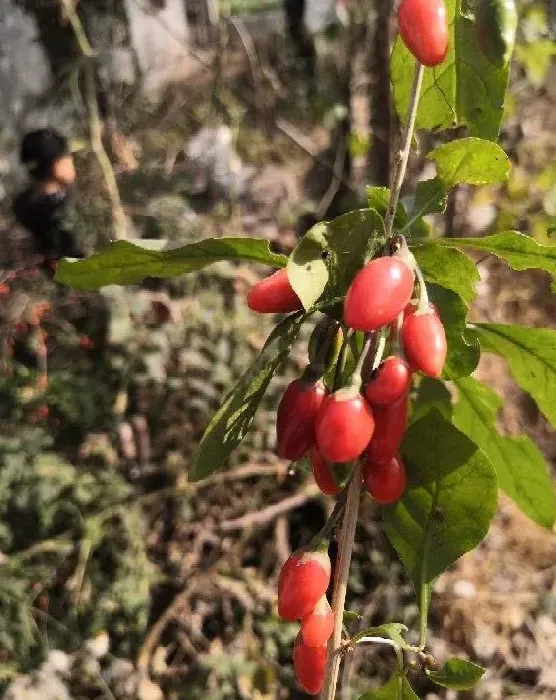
424 342
344 426
323 474
378 293
295 422
309 664
273 295
318 625
385 481
303 581
423 27
390 422
389 382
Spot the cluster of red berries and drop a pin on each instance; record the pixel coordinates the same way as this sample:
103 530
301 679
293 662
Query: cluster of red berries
363 420
345 425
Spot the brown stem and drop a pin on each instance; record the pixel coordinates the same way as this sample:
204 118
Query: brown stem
403 155
345 549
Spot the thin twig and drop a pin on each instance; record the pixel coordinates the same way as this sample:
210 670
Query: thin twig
267 515
119 219
345 549
403 155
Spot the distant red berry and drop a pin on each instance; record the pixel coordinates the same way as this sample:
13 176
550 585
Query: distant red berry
345 426
86 343
323 474
424 342
378 293
318 625
4 289
303 581
389 381
390 422
423 27
385 481
310 665
297 412
273 295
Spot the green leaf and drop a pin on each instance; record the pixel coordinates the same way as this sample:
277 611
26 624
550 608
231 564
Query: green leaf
536 59
414 227
472 161
430 198
352 616
431 393
457 674
447 267
234 418
531 355
307 270
522 471
519 251
450 499
123 262
465 90
397 688
463 347
390 630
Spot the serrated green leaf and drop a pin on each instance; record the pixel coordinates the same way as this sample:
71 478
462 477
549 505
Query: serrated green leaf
390 630
463 347
447 267
531 355
522 471
233 419
397 688
123 262
414 226
465 90
457 674
307 269
450 499
519 251
472 161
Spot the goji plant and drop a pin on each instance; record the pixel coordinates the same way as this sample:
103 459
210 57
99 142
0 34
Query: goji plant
388 403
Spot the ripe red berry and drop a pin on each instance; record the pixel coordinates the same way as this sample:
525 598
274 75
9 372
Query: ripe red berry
424 342
295 423
378 293
345 426
4 289
273 295
303 581
317 626
389 381
385 481
310 666
423 26
323 474
390 421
